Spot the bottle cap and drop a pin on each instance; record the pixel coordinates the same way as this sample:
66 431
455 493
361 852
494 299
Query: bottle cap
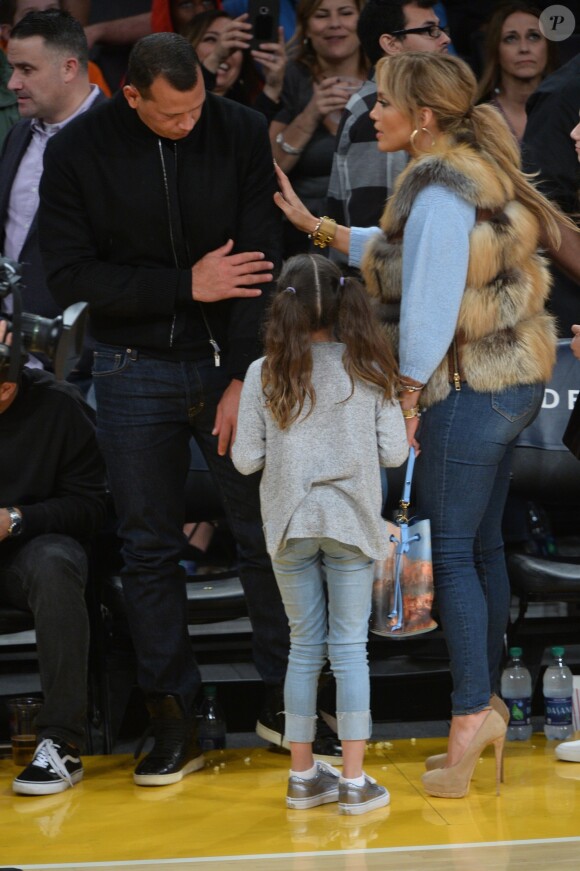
558 651
515 651
210 691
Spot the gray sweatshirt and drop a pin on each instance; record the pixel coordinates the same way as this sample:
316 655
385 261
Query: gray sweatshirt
321 475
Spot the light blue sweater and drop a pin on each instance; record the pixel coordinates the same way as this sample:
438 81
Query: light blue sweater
435 260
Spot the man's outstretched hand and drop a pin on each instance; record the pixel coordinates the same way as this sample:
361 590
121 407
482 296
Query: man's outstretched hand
221 275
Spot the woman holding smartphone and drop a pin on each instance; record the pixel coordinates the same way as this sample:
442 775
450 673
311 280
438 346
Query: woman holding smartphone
327 67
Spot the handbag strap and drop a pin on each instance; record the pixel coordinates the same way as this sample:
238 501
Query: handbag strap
405 501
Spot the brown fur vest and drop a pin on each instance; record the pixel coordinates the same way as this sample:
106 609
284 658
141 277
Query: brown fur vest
503 335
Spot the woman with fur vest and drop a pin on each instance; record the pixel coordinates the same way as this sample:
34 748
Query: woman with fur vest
463 288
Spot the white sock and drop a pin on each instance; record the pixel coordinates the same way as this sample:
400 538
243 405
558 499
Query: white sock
309 774
356 781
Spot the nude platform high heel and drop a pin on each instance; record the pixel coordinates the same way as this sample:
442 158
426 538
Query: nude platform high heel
439 759
454 782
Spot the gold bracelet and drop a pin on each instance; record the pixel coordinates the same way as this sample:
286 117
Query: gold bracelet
408 388
316 229
324 232
410 413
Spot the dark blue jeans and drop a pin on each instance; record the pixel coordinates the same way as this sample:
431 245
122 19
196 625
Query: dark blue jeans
462 480
147 411
47 576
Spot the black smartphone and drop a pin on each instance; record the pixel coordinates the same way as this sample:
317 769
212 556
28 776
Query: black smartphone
264 15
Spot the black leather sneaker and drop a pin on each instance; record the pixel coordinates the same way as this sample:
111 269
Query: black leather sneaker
176 751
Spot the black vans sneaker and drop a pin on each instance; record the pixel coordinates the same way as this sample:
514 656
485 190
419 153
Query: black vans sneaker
55 767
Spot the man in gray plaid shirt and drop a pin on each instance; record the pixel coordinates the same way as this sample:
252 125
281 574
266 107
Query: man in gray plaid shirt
362 177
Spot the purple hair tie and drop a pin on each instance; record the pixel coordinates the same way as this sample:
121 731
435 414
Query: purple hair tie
289 290
341 282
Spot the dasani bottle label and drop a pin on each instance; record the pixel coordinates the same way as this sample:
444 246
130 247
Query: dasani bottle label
559 712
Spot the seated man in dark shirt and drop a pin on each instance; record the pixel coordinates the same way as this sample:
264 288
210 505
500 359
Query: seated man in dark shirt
53 499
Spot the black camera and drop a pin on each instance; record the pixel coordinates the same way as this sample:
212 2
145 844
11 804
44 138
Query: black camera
60 339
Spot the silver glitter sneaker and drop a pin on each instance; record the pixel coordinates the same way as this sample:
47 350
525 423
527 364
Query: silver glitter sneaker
360 799
320 789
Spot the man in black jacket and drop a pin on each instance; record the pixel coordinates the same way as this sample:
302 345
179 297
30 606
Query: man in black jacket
52 495
157 210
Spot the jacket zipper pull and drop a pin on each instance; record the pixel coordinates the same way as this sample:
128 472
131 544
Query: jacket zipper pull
216 352
456 375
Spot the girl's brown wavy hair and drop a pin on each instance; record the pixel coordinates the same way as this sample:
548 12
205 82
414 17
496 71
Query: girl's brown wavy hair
312 295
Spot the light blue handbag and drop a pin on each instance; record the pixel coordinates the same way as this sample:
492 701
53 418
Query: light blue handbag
403 585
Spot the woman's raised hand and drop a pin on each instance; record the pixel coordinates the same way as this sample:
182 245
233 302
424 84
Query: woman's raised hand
331 95
292 206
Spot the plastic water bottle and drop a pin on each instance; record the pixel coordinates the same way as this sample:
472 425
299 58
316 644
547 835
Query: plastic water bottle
212 729
516 690
558 698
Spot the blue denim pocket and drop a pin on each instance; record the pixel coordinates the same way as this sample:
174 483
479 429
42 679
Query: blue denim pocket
515 403
109 362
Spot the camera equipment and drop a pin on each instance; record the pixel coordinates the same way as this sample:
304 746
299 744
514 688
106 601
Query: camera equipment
60 339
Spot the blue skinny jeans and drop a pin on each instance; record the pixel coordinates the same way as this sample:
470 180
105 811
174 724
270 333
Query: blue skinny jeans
462 480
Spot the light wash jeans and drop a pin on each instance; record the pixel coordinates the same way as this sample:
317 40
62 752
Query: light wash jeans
462 479
337 631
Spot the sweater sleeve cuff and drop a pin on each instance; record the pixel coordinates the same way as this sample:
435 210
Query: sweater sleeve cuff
414 374
359 236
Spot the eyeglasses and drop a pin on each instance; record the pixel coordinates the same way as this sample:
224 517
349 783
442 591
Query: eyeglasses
432 30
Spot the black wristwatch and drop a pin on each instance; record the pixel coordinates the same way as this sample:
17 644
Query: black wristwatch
15 527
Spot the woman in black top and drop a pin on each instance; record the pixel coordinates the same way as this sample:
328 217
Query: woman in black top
327 68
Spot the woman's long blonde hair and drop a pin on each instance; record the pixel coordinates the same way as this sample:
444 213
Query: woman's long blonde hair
312 295
446 85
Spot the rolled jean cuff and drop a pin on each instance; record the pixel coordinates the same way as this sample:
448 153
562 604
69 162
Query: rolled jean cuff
299 728
464 711
354 725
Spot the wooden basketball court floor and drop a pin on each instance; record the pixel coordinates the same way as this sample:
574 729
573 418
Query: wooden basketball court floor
232 816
